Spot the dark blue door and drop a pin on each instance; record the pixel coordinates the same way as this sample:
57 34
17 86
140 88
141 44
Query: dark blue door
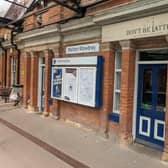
151 106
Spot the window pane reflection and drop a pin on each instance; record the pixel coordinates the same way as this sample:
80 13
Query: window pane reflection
117 102
118 78
161 90
147 89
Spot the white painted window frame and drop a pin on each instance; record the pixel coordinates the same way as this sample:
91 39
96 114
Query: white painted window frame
116 91
13 70
41 65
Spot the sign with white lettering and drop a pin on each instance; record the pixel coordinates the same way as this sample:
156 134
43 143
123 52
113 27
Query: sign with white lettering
75 61
139 28
85 48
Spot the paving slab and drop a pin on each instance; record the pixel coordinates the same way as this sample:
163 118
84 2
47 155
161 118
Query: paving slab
84 145
18 152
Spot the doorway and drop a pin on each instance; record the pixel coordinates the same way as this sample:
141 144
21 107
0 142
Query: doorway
151 104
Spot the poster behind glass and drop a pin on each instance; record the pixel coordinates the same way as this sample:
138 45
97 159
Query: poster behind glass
87 82
70 84
57 83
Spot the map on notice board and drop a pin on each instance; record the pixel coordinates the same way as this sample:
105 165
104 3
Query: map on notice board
86 93
70 84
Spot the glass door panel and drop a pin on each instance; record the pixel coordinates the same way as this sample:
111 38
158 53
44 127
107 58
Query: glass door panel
161 91
146 102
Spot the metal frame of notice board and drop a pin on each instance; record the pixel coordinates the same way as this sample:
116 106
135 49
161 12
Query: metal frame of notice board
77 80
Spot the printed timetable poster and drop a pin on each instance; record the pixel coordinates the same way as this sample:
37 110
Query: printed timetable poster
70 84
57 83
87 85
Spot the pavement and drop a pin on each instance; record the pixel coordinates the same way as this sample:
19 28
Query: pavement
32 141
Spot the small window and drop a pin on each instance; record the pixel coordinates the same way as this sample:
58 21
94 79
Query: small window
117 83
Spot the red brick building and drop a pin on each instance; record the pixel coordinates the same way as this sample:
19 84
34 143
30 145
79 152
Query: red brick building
130 35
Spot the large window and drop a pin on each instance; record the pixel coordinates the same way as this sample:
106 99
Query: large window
117 81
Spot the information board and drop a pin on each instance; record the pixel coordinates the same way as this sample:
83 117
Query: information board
77 80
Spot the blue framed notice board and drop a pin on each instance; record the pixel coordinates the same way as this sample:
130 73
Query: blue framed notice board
77 80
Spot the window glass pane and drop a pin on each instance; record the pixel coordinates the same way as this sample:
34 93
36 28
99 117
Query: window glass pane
146 56
43 60
161 90
13 71
118 60
118 78
43 73
147 89
117 102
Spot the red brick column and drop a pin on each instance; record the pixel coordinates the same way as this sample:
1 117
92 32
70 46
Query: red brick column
127 91
48 57
165 153
108 52
34 82
26 83
55 108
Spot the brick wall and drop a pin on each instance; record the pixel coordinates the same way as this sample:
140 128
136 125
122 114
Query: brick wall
29 23
55 13
106 5
52 14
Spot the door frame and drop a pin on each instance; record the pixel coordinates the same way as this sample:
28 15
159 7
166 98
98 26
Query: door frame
137 62
40 67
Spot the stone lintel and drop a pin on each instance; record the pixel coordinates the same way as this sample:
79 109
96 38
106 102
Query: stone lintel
127 44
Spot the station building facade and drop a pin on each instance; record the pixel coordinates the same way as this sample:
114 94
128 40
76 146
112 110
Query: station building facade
131 37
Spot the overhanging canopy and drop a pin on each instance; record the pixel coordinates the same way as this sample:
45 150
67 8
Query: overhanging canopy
11 10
